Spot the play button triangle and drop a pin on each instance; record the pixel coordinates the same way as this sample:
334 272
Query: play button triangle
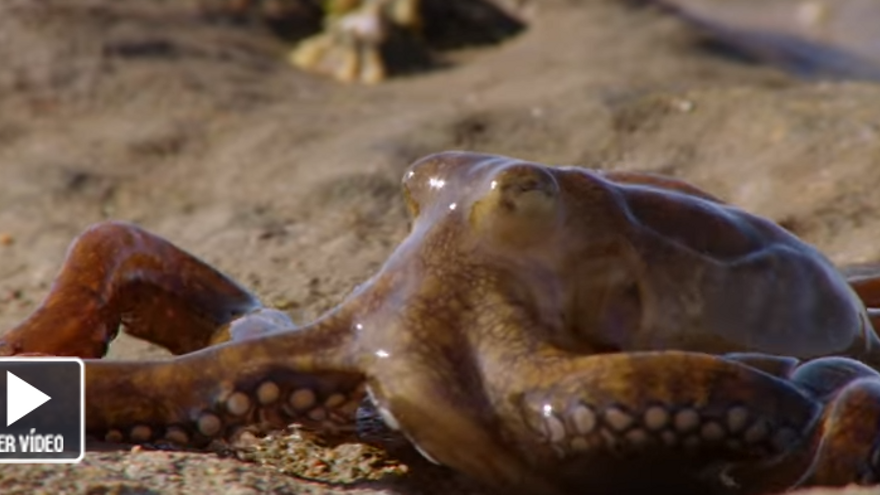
21 398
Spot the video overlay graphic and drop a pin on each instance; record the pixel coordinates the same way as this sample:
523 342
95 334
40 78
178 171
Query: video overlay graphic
43 405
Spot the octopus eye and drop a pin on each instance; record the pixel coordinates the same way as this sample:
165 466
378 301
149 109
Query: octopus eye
412 206
423 182
522 205
440 175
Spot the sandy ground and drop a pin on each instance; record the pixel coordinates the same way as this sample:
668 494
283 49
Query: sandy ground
142 111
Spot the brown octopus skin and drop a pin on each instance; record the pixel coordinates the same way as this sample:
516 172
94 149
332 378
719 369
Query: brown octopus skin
542 329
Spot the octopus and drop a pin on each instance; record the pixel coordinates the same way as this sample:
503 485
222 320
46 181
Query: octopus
368 41
541 329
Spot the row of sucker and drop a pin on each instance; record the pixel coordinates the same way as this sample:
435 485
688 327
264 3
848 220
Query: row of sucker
584 428
326 403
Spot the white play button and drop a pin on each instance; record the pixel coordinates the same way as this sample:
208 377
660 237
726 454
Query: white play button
21 398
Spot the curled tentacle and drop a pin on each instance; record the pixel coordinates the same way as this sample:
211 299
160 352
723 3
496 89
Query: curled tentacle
845 447
304 376
867 287
117 273
848 440
681 420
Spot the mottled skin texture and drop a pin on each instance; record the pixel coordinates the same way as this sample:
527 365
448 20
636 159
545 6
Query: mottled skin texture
544 330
